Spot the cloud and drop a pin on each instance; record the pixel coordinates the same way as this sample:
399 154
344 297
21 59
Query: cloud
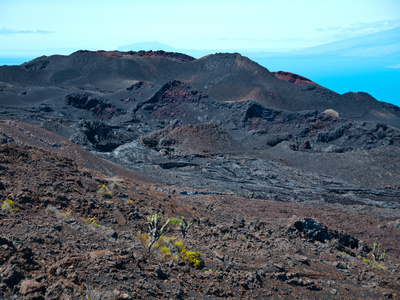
8 31
360 28
394 67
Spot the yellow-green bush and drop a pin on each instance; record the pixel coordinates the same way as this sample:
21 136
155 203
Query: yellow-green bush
9 205
116 185
179 245
193 258
170 248
92 221
144 238
104 192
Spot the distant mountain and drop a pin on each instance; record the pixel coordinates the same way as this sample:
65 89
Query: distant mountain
380 44
146 46
224 77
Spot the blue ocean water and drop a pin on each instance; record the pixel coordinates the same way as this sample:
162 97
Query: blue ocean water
11 61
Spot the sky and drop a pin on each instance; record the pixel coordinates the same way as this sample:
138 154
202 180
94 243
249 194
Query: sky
45 27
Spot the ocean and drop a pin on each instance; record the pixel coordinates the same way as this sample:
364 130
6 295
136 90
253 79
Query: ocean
11 61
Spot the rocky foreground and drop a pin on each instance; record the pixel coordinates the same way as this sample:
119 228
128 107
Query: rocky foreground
62 238
292 191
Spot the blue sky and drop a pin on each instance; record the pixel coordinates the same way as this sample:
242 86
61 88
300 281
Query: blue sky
49 26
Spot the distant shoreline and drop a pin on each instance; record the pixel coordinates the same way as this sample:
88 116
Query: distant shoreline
12 61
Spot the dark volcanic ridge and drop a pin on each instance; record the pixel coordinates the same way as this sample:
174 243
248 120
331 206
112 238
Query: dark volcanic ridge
288 184
121 104
225 77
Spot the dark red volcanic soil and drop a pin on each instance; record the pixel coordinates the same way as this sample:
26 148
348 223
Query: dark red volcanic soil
251 249
30 135
294 78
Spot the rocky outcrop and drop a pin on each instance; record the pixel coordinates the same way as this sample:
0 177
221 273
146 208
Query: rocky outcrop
201 139
98 107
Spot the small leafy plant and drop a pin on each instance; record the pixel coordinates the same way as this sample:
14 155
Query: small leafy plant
66 213
116 185
95 294
210 271
193 258
9 205
183 224
104 192
144 238
92 221
179 246
377 253
171 248
59 214
377 256
166 248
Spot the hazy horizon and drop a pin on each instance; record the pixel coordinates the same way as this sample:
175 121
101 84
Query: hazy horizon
29 29
42 25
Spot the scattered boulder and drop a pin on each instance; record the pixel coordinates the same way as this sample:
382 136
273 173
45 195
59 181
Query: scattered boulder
315 231
31 286
97 135
98 107
331 112
12 276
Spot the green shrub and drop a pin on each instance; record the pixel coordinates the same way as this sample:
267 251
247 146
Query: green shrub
166 252
210 271
179 245
104 192
226 236
377 253
92 221
170 248
116 185
96 294
9 205
377 256
183 224
379 266
193 258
